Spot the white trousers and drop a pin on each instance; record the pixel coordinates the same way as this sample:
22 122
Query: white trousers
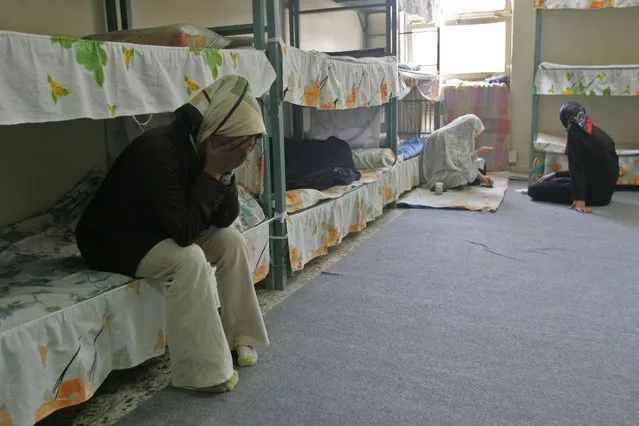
199 336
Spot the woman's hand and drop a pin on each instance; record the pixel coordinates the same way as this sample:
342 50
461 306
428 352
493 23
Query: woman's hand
484 150
486 180
221 158
545 177
580 206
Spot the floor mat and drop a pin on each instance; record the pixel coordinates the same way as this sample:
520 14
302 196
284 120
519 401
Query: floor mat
475 198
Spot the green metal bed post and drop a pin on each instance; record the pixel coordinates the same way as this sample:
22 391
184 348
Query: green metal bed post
279 246
267 194
438 104
394 49
391 47
535 95
294 30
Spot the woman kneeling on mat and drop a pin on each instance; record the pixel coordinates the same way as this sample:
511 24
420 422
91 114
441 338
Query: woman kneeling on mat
593 165
449 155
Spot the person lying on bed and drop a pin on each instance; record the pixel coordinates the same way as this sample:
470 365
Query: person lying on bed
449 155
593 165
165 210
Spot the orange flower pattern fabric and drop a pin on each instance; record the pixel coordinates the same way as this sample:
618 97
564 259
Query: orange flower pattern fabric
315 228
317 80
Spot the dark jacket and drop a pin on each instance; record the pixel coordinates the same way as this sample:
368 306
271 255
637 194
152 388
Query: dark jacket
593 165
155 190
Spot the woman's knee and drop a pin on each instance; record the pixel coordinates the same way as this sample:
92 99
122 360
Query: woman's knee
191 257
223 242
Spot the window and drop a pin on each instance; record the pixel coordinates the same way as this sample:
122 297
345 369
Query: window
475 39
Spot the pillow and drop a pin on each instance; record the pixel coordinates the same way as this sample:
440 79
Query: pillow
373 158
176 35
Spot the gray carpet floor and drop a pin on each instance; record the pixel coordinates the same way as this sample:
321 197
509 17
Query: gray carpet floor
529 315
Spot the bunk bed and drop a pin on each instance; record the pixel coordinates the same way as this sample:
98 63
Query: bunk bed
547 151
335 89
63 327
420 107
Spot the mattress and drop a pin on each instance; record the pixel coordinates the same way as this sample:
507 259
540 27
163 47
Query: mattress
75 78
64 328
312 231
584 4
549 157
317 80
592 80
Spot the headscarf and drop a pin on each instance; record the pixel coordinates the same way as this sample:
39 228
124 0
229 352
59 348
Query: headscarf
573 114
226 108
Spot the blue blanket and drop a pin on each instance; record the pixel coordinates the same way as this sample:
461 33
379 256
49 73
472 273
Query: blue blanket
411 148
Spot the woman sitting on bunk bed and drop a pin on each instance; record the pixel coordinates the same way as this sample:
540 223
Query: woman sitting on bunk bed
593 165
164 211
449 155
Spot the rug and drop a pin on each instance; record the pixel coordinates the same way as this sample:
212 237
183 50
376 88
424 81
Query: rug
451 318
474 198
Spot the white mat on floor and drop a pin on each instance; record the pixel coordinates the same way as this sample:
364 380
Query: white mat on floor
475 198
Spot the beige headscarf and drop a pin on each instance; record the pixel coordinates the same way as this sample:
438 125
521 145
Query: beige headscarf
229 109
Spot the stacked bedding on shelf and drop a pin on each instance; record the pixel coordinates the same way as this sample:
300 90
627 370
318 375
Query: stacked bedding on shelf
550 157
64 328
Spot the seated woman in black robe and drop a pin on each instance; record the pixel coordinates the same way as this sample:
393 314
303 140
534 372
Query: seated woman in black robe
593 165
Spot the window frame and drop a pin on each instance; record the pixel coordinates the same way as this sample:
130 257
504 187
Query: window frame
477 18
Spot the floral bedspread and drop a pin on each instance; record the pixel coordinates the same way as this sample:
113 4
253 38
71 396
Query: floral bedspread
64 328
317 80
75 78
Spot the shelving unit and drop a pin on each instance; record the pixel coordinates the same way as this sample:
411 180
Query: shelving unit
574 80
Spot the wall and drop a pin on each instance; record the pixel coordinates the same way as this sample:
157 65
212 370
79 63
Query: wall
572 37
39 163
377 30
